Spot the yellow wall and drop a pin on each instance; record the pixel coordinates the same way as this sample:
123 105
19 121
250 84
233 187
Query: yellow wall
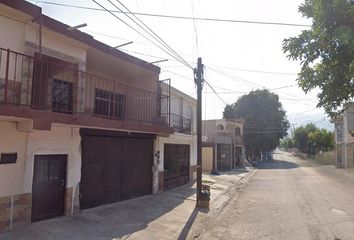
207 158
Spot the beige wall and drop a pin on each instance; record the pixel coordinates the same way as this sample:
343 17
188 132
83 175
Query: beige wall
60 140
17 178
12 175
207 158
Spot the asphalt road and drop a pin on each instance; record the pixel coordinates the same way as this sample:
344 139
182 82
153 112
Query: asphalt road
289 199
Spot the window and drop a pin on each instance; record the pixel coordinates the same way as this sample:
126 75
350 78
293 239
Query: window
62 96
109 104
237 131
220 127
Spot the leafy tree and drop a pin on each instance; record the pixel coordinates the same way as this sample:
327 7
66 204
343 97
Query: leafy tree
301 139
310 139
286 143
321 140
326 52
265 120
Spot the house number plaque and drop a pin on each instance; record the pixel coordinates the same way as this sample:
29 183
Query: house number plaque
8 158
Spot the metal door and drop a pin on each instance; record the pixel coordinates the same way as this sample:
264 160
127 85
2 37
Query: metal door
176 165
136 170
48 188
100 171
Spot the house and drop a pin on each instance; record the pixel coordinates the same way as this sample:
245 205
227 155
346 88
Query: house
344 137
73 112
178 152
223 147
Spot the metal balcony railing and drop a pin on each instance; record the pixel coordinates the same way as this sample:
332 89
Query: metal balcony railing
180 124
53 85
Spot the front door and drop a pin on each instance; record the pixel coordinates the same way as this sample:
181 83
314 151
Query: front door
48 188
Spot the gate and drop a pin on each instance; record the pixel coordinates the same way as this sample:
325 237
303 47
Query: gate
48 188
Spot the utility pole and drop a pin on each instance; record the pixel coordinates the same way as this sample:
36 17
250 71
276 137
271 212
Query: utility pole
199 81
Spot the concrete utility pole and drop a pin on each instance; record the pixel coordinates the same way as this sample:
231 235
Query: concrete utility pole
199 81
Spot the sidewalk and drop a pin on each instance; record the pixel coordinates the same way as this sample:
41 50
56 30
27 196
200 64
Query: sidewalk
169 215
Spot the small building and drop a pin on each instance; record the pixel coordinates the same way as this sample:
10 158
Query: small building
178 151
223 147
344 137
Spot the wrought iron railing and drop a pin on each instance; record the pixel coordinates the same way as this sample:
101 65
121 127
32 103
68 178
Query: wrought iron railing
178 123
60 87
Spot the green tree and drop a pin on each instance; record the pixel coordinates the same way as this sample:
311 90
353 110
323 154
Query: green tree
301 139
265 120
310 139
286 143
326 52
321 140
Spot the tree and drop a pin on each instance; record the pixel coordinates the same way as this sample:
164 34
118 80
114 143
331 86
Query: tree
265 120
301 139
326 52
310 139
321 140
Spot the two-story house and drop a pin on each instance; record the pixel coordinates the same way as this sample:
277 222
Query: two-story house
178 152
223 147
73 112
344 137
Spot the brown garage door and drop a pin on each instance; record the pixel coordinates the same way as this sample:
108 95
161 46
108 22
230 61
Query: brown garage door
115 168
48 188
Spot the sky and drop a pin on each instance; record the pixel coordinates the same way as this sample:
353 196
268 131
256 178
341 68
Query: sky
238 57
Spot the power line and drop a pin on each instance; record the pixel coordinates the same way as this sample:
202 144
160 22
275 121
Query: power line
153 33
135 30
181 17
255 71
195 28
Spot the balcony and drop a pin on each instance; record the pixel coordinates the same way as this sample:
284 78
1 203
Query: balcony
51 85
178 123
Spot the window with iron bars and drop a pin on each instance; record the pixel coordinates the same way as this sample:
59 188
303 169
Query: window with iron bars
109 104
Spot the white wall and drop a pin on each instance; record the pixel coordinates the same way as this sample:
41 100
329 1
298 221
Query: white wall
17 178
60 140
178 138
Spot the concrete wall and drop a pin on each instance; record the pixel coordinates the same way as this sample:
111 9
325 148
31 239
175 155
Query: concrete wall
17 178
12 175
207 158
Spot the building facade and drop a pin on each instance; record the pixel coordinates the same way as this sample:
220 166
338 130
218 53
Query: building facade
73 111
178 151
223 147
344 136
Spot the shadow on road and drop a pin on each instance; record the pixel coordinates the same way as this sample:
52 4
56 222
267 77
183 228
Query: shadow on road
277 164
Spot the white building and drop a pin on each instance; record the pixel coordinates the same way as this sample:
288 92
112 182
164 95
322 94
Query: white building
178 151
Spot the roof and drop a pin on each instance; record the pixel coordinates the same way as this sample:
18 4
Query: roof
59 27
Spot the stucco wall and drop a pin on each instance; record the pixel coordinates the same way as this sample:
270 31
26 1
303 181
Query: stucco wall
17 178
178 139
60 140
11 175
207 158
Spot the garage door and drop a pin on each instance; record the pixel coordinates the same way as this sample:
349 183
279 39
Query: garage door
115 168
176 165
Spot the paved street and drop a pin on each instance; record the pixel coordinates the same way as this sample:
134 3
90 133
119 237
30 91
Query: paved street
169 215
289 199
